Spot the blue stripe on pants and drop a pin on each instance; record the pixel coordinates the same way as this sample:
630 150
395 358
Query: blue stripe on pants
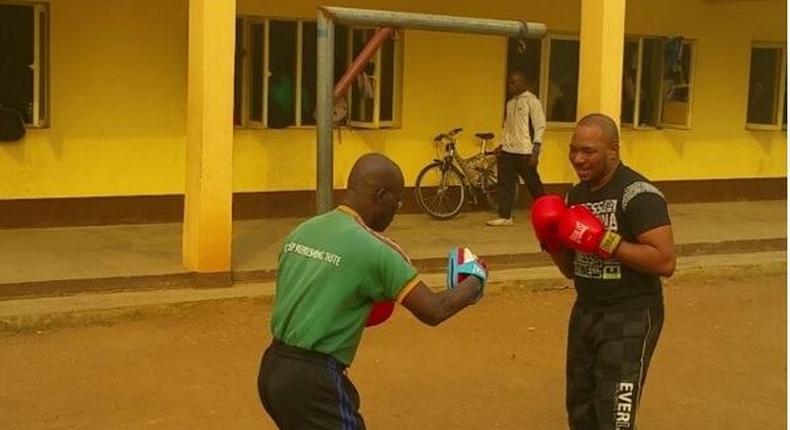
346 410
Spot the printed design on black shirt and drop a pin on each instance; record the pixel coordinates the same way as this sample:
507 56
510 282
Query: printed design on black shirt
637 188
592 266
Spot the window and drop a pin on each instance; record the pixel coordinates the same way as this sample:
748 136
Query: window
275 72
552 69
677 82
372 103
767 108
656 82
282 74
275 76
657 78
524 55
641 90
24 56
562 87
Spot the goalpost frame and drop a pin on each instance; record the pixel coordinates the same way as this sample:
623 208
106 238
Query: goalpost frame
328 16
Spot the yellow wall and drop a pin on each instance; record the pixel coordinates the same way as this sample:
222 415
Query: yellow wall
119 96
718 145
118 92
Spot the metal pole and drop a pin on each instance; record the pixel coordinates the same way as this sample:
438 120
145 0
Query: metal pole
327 15
325 33
420 21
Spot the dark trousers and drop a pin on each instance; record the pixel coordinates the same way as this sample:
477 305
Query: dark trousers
509 168
303 389
607 361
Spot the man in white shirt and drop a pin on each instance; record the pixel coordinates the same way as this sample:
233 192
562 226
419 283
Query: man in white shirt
518 155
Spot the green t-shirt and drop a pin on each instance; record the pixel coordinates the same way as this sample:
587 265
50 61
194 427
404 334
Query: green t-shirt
331 270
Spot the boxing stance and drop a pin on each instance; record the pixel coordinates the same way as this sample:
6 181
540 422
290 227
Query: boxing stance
612 236
337 274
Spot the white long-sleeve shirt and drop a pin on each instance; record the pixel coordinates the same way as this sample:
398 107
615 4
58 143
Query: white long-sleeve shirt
520 110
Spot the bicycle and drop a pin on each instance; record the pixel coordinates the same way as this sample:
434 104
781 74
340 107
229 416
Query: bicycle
443 186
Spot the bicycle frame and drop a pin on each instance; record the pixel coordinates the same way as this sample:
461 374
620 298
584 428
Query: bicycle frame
473 178
451 157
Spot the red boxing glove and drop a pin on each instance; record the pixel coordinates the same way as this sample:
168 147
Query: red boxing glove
379 312
581 230
547 212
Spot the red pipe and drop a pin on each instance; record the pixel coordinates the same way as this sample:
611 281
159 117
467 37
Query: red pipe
381 36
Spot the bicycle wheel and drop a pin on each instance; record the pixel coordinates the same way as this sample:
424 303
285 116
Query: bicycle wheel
490 187
440 192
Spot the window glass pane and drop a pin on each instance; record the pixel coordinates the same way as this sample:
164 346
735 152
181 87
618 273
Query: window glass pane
677 70
43 65
309 66
387 80
16 56
282 69
363 87
677 86
649 86
650 90
341 51
628 96
784 111
763 85
257 35
340 109
563 80
525 56
238 72
309 72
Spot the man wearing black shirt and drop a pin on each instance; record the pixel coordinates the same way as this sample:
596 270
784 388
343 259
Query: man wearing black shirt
614 240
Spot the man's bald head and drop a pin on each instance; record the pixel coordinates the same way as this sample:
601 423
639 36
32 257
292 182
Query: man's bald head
375 189
594 151
373 171
607 126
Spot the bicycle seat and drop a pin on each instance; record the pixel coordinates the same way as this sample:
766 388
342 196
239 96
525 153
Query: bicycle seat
486 136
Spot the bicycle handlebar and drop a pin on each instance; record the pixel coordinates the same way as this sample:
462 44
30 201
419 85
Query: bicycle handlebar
449 135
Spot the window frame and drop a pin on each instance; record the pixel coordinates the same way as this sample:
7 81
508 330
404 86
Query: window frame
638 81
246 75
640 67
691 84
660 123
40 71
246 42
40 117
545 78
778 125
397 62
246 86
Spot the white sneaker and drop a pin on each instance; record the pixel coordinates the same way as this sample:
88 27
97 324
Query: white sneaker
499 222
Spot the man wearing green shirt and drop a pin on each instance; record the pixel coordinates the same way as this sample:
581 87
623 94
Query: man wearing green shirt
332 271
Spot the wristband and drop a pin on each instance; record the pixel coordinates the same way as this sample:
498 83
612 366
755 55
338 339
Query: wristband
609 243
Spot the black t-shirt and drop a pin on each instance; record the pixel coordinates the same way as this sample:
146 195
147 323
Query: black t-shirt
630 205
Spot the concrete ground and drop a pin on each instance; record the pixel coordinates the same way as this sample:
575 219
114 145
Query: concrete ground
140 263
83 253
36 311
